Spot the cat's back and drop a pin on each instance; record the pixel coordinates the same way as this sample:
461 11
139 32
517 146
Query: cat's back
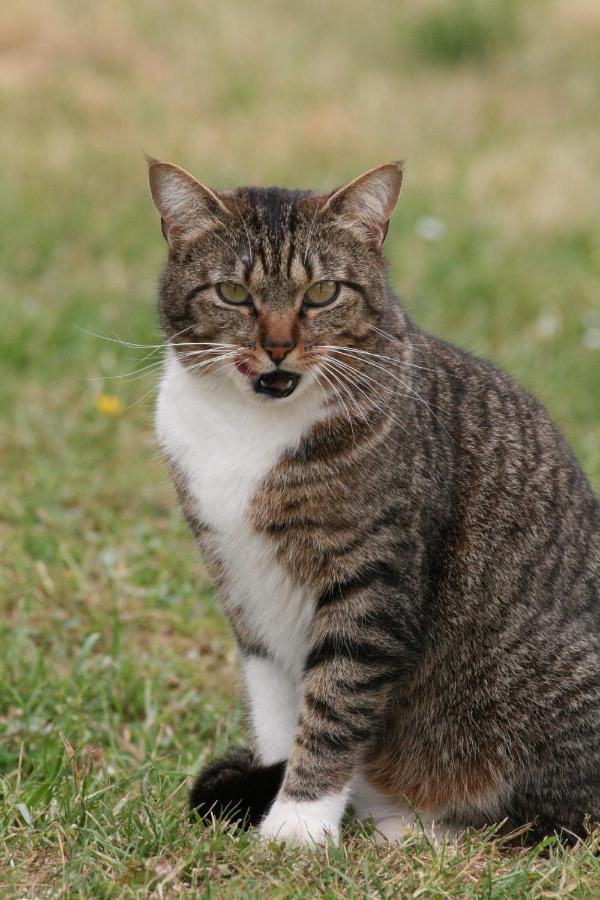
524 521
490 422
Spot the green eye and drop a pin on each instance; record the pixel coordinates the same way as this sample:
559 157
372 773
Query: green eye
232 292
322 293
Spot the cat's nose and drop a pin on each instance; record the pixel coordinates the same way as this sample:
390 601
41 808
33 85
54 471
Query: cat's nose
278 350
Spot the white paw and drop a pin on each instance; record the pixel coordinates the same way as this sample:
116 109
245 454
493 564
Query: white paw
299 823
397 828
393 828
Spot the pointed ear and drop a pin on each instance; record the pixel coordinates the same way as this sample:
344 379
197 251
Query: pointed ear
367 203
186 207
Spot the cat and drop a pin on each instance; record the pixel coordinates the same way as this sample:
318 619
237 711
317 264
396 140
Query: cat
404 544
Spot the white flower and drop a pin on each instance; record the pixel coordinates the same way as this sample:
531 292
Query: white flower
428 228
591 338
548 324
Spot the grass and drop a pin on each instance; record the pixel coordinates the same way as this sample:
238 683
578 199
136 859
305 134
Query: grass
117 673
465 30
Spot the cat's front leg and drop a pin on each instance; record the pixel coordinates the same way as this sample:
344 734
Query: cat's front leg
274 702
360 648
242 785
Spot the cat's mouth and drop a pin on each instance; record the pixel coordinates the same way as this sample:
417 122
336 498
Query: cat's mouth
278 383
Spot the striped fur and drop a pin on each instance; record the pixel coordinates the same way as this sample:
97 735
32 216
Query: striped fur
406 547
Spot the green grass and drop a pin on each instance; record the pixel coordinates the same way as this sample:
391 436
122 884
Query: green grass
117 673
459 31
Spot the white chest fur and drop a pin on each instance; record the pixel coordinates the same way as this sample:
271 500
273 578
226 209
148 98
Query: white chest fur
225 443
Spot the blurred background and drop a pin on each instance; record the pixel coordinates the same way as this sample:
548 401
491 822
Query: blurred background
112 641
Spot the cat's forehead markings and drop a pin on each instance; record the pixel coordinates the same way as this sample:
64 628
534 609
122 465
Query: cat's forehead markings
279 287
297 269
274 223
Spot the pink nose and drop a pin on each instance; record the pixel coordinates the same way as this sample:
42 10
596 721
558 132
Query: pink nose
278 350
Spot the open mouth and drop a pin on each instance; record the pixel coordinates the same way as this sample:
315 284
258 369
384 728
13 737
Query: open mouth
277 384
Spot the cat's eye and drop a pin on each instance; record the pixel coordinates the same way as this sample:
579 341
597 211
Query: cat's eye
232 292
321 293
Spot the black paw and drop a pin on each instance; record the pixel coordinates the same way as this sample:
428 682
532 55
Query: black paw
236 787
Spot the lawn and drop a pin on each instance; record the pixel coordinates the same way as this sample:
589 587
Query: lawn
117 674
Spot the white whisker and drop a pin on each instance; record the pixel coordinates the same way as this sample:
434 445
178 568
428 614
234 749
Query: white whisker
129 376
408 340
330 382
397 362
401 381
129 344
207 362
385 411
329 367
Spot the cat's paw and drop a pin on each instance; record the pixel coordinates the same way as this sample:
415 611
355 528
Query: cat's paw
396 828
301 823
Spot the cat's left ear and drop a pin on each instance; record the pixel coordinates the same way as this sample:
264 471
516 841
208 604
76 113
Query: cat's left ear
367 203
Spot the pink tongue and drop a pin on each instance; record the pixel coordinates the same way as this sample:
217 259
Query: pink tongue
243 368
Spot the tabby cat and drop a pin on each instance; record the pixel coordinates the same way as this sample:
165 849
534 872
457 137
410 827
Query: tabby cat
406 549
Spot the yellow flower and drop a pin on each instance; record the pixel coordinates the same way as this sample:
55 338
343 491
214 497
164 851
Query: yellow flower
107 405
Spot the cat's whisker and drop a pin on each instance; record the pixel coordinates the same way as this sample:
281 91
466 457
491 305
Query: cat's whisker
371 400
316 371
352 385
191 354
145 370
163 346
386 334
327 364
401 363
355 377
202 344
343 403
347 387
130 344
350 351
192 369
129 376
204 363
405 384
153 389
384 388
353 401
408 341
358 374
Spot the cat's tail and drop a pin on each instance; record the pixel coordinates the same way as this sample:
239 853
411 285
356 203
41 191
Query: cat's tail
236 787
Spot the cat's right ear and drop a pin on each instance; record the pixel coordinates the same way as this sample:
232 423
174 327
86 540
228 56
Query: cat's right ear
186 207
366 204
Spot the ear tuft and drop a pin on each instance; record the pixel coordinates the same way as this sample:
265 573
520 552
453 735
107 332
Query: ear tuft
367 203
186 207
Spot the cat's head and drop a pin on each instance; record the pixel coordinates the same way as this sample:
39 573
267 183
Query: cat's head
261 283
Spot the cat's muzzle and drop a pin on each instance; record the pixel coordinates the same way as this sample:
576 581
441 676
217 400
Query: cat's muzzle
278 383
